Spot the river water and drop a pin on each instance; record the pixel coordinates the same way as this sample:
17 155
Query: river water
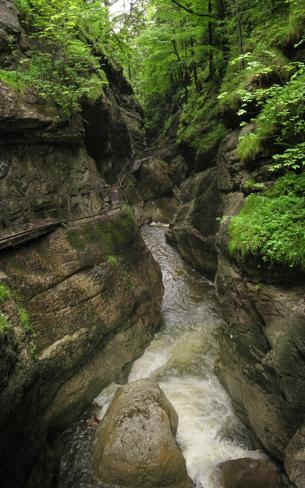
181 358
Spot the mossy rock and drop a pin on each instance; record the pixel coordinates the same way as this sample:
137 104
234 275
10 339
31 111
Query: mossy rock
111 234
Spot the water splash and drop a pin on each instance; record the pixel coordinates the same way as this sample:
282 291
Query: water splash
181 358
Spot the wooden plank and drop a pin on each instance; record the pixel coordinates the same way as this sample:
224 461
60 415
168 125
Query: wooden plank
27 232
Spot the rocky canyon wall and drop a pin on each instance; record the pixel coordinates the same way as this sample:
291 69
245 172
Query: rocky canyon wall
262 342
80 293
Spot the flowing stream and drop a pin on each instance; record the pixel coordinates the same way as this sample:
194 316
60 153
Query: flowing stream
181 358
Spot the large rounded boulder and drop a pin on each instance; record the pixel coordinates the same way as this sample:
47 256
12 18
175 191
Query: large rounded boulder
249 473
136 444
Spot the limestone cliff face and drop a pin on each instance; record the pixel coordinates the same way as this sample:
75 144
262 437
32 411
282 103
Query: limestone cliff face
262 361
80 293
262 342
194 227
92 291
152 183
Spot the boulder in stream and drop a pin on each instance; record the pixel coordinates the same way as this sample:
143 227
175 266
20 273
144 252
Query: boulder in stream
295 458
249 473
136 444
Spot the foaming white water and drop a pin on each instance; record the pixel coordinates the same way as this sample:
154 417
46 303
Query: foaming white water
156 355
181 358
207 424
203 409
103 400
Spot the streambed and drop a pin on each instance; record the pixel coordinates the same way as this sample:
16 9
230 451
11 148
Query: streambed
181 358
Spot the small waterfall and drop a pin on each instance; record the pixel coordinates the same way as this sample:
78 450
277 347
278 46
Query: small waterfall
181 358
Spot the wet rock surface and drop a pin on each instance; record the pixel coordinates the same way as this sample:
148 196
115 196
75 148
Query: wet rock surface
295 458
93 295
75 446
262 342
9 28
249 473
136 443
89 285
151 186
195 225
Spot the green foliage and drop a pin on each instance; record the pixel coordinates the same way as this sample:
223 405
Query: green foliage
253 186
4 293
257 33
174 55
128 211
247 56
271 225
199 124
292 158
249 146
282 118
70 40
112 261
178 56
290 183
14 79
4 322
24 320
293 32
249 74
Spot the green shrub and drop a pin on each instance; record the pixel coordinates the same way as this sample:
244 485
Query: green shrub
253 186
293 158
271 225
294 28
112 260
13 78
282 118
24 320
71 37
4 293
261 62
4 322
249 146
199 124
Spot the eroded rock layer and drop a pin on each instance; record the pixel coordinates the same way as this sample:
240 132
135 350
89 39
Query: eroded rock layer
80 293
262 342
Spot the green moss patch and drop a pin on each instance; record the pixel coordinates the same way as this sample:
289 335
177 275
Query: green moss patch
4 322
199 124
4 293
24 320
76 240
271 225
112 235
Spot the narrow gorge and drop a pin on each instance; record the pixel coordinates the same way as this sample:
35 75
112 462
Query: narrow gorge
152 226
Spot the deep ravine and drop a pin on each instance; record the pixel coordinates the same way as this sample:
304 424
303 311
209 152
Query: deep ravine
181 358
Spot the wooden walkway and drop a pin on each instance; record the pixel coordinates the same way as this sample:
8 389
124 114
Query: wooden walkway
33 230
27 232
37 228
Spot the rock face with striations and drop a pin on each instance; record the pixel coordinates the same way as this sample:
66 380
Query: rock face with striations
136 444
263 344
195 225
80 293
263 341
